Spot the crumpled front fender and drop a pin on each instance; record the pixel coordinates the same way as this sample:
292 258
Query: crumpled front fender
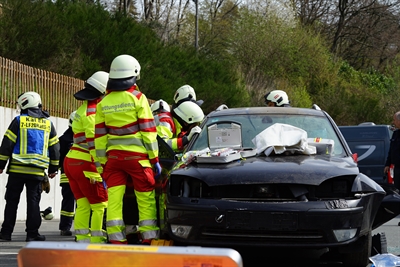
364 184
390 206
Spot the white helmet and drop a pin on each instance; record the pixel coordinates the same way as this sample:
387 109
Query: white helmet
160 106
71 118
189 112
29 100
47 214
124 66
95 86
99 81
184 93
279 97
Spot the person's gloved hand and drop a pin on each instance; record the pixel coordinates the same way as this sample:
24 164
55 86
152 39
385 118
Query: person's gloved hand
93 177
52 175
193 131
157 170
46 184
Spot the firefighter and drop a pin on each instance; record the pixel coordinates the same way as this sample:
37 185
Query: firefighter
277 98
68 200
80 166
164 123
186 117
173 127
31 146
183 94
163 119
126 138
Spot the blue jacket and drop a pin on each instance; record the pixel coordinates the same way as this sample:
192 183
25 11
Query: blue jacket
30 145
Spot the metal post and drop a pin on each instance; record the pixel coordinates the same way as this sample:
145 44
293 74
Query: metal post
196 42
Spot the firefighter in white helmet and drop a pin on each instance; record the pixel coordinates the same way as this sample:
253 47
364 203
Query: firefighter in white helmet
81 164
164 124
185 93
277 98
68 199
176 129
126 138
163 118
160 106
30 146
186 117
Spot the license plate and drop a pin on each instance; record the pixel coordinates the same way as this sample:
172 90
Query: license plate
248 220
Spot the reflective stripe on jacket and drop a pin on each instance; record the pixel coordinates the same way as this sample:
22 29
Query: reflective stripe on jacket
31 144
177 143
63 179
165 125
83 128
124 122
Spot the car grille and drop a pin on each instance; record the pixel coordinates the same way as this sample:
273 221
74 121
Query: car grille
277 237
329 189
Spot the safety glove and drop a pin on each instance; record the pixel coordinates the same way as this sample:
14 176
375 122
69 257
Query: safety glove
157 170
94 177
193 131
46 184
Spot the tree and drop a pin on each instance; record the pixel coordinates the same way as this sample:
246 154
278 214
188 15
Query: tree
274 53
364 33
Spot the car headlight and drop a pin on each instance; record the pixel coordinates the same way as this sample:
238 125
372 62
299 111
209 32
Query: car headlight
344 234
182 231
186 186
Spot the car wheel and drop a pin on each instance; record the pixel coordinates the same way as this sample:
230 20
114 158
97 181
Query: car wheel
360 256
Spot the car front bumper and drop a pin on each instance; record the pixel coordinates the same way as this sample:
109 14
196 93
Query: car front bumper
290 224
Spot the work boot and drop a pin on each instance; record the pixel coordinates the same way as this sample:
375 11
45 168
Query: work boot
5 237
35 238
65 233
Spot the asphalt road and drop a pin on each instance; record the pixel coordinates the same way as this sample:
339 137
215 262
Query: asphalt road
251 257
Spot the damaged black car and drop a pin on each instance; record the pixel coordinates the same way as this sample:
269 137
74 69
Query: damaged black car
273 177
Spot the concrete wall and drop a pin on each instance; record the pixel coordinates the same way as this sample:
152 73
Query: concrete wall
53 199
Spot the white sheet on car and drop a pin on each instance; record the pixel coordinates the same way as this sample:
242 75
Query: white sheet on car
280 138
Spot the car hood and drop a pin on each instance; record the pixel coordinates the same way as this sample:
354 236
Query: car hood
304 169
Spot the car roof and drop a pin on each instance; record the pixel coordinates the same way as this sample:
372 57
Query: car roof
266 110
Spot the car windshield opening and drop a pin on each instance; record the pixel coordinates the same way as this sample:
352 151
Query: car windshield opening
317 127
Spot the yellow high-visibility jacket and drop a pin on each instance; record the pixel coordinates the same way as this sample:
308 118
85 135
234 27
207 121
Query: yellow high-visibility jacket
178 141
124 122
83 128
165 125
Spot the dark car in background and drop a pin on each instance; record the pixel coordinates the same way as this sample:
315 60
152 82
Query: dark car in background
226 192
371 142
